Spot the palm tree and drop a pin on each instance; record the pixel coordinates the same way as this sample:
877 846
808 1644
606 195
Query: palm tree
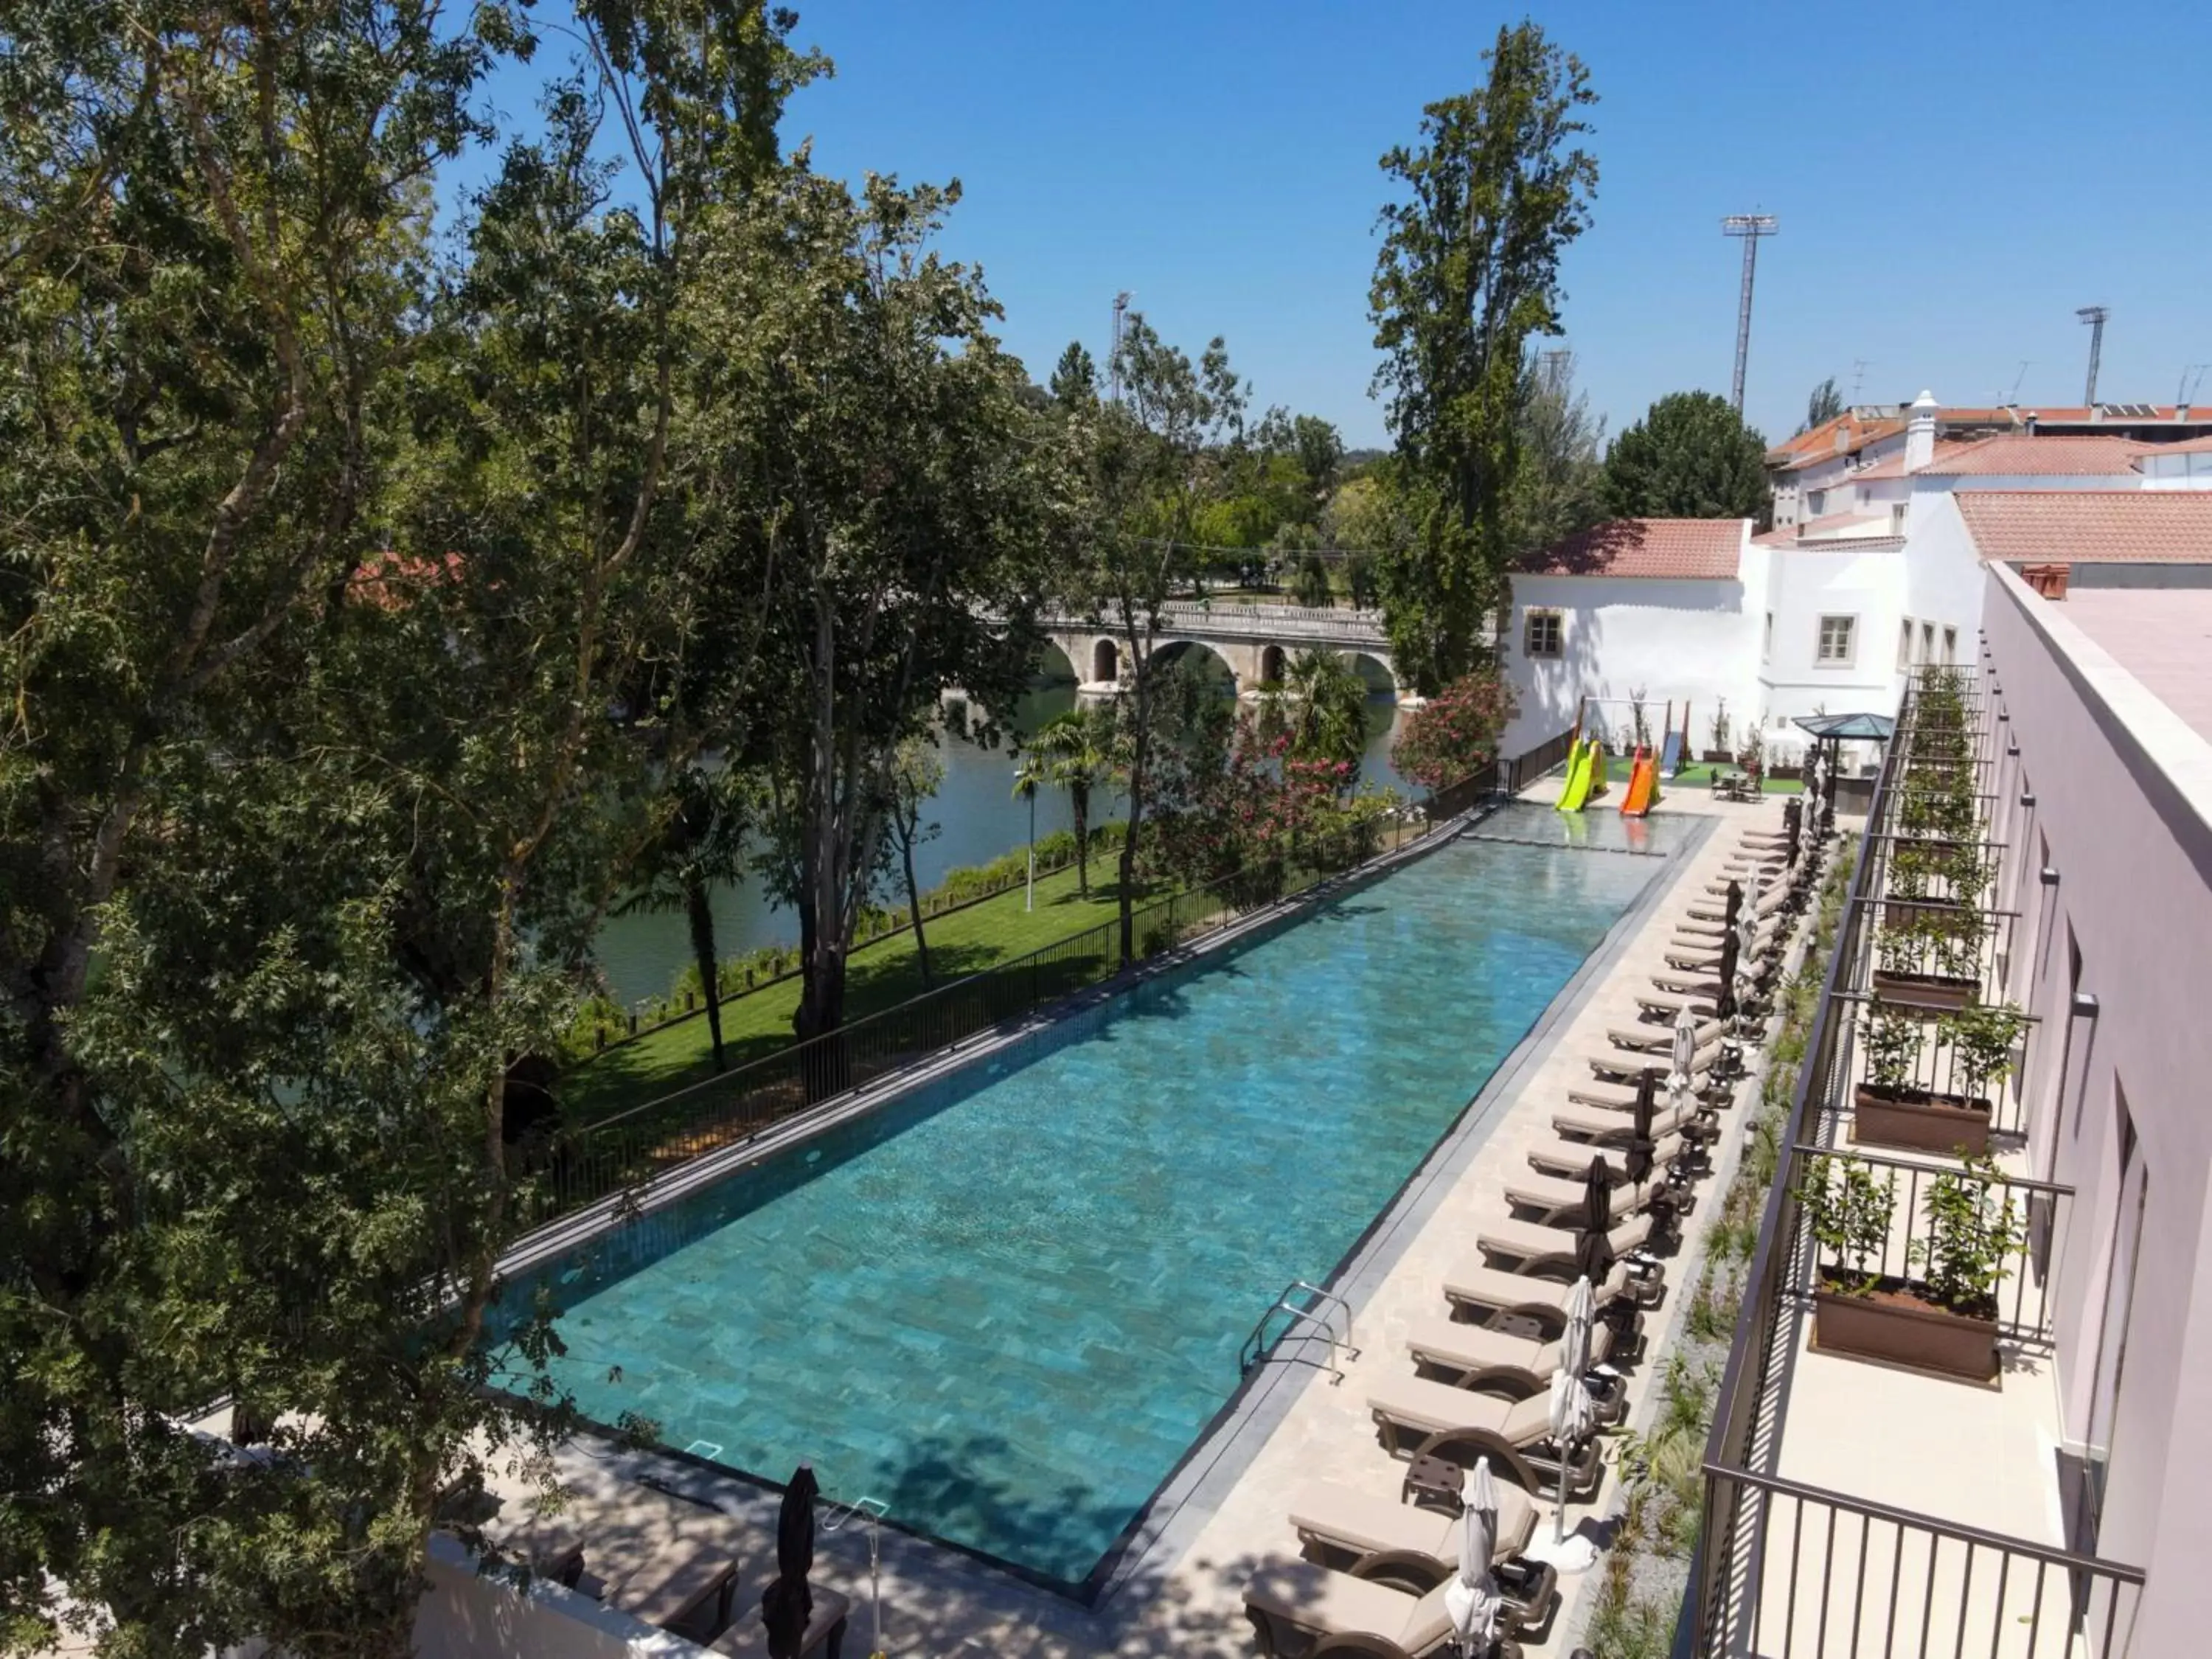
1325 708
1034 772
1078 749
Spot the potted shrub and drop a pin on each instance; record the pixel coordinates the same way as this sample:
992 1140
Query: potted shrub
1942 1315
1891 1108
1930 959
1719 753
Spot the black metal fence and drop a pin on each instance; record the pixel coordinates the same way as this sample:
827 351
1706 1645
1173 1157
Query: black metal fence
1819 1574
1917 1054
1784 1568
1531 764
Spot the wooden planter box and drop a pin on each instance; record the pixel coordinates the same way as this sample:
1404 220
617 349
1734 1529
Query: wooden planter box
1918 1120
1785 774
1899 1328
1716 756
1937 991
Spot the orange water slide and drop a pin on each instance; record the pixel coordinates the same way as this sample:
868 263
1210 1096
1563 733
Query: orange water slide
1642 786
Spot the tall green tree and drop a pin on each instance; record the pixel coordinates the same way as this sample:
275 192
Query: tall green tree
1559 486
1691 457
1469 273
1823 406
700 846
916 775
867 409
1137 474
1075 377
322 577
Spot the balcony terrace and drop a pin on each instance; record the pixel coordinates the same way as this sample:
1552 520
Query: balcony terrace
1860 1505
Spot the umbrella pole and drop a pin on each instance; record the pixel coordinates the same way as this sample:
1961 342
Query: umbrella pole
1560 1515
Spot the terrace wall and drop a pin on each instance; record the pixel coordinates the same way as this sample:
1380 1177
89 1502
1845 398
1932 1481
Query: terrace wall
2121 788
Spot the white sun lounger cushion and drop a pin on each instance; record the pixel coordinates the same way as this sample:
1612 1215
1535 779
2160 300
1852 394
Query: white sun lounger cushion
1363 1523
1311 1597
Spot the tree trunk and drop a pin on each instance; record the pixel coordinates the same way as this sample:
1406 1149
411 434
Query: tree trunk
914 904
1078 798
701 915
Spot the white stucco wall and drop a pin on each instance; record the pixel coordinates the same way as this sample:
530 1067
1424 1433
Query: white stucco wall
1676 640
1806 585
464 1615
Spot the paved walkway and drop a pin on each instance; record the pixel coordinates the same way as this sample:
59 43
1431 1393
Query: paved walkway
1184 1595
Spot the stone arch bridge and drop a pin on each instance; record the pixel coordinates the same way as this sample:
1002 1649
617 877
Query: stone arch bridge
1254 643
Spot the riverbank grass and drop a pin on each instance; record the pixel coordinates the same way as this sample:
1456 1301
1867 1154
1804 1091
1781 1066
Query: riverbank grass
879 975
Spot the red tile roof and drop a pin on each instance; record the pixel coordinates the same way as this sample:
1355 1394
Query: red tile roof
1811 448
2068 526
2016 455
1700 549
2186 446
1894 466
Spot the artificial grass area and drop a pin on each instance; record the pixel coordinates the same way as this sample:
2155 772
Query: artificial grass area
1698 776
877 975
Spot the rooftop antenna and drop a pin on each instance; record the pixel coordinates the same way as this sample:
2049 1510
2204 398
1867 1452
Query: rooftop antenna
2011 399
1554 369
1114 356
2192 376
1751 227
2095 316
1859 366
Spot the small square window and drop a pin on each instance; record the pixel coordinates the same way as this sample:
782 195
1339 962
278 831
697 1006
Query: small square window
1543 633
1836 639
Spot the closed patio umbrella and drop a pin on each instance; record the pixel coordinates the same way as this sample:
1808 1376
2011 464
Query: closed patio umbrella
1574 1415
1641 1146
1731 949
1732 907
787 1604
1471 1597
1594 1243
1683 1053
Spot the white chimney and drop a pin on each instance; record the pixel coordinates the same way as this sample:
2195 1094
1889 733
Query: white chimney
1920 433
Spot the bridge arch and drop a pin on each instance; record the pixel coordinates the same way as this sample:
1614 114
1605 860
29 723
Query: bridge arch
1376 671
1105 660
1272 660
1206 655
1054 665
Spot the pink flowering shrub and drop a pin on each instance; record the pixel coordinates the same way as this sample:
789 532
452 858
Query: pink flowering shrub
1455 732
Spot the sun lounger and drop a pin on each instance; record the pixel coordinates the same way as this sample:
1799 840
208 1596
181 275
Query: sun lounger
1502 1299
1621 1097
1772 899
1630 1063
1419 1417
824 1637
1554 1200
1294 1606
1340 1527
1613 1126
1507 1243
1570 1160
1671 1004
1487 1360
1657 1036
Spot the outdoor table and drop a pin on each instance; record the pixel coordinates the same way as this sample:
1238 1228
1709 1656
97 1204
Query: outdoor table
671 1586
1434 1480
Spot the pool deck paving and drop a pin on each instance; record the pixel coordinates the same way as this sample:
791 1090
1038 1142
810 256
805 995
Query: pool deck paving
1223 1518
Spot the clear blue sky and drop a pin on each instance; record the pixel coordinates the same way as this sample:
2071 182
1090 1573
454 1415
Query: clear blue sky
1953 181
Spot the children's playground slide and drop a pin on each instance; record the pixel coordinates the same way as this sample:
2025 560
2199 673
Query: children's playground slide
1671 757
1582 760
1642 786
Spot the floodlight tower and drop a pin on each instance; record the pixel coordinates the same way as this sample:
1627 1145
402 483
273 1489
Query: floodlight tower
1751 227
2095 316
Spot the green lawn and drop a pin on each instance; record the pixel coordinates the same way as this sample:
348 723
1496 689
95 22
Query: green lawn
879 976
1698 776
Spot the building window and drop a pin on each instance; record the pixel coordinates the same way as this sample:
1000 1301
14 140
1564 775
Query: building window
1766 645
1836 639
1543 633
1928 641
1905 645
1897 519
1950 645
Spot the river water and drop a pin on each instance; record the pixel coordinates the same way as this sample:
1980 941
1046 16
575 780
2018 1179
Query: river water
979 818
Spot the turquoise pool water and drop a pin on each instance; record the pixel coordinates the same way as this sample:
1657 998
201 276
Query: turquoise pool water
1009 1304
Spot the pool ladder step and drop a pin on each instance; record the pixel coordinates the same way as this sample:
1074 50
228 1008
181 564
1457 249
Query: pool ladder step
1316 1314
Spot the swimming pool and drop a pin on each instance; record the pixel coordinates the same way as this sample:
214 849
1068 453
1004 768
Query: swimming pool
1008 1303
